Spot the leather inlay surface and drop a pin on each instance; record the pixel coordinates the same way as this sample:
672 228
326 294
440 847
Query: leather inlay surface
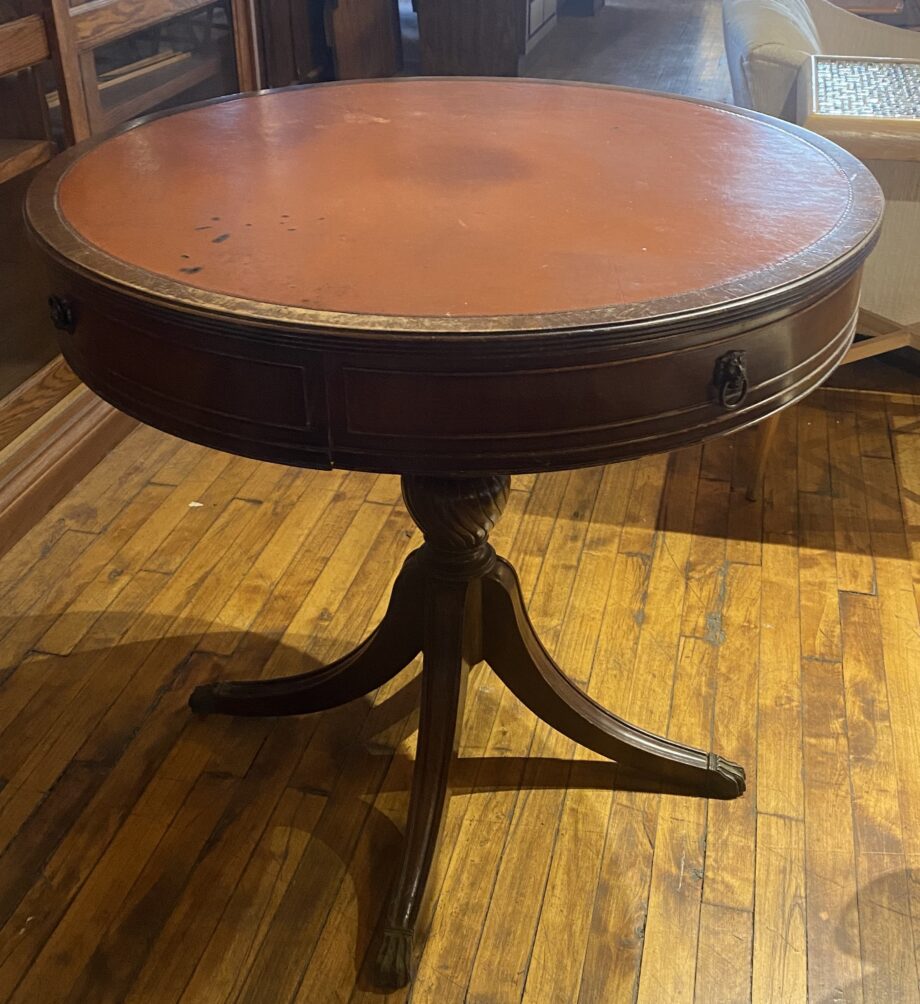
458 198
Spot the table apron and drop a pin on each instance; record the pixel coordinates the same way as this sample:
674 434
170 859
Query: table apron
437 408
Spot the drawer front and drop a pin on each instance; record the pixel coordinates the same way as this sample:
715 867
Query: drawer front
232 392
543 412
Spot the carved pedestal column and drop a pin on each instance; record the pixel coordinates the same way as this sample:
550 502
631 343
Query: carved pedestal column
458 603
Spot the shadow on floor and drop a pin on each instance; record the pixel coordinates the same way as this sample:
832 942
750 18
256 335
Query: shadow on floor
124 708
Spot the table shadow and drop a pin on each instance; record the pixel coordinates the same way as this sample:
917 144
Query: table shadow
141 718
871 509
875 929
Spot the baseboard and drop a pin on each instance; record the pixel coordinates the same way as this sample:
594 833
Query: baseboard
34 397
41 465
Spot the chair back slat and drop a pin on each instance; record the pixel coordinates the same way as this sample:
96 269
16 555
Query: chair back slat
23 43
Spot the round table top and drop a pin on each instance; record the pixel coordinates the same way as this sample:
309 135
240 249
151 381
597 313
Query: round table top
457 204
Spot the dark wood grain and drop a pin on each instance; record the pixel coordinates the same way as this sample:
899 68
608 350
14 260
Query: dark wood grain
293 43
365 38
392 646
482 37
452 621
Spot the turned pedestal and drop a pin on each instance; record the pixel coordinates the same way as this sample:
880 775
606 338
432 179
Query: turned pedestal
458 603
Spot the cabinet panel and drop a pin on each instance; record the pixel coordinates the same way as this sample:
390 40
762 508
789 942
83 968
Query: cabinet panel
475 37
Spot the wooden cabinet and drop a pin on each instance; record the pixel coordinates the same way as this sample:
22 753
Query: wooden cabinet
304 41
293 45
480 37
364 38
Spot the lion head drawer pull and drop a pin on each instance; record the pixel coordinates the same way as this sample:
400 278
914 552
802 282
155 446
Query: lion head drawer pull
62 313
731 379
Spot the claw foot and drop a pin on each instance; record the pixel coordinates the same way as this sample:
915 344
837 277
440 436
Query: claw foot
395 965
202 699
727 777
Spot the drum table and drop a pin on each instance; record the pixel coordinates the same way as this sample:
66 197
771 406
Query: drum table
455 280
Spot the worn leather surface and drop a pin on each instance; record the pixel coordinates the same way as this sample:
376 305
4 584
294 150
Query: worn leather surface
455 197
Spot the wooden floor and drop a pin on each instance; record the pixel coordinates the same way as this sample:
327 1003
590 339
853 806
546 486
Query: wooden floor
664 45
149 855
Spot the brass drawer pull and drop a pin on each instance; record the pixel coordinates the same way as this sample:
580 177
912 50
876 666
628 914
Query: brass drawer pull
62 313
731 379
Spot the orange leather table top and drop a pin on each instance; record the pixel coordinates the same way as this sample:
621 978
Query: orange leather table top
461 198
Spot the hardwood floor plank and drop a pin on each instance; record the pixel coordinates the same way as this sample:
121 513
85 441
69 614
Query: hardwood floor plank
779 959
906 443
899 616
104 491
672 928
855 568
780 507
104 948
886 935
63 635
386 490
872 426
779 744
244 923
731 833
196 520
813 468
723 964
248 646
29 590
554 972
834 970
500 966
28 627
107 885
621 903
779 786
819 613
745 518
38 836
170 961
555 967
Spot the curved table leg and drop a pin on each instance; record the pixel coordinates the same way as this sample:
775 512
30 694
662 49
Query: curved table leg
392 646
515 653
452 616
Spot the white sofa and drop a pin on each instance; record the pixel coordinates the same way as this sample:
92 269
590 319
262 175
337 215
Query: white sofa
766 42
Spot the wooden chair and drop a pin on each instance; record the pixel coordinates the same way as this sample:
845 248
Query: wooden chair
24 133
92 104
